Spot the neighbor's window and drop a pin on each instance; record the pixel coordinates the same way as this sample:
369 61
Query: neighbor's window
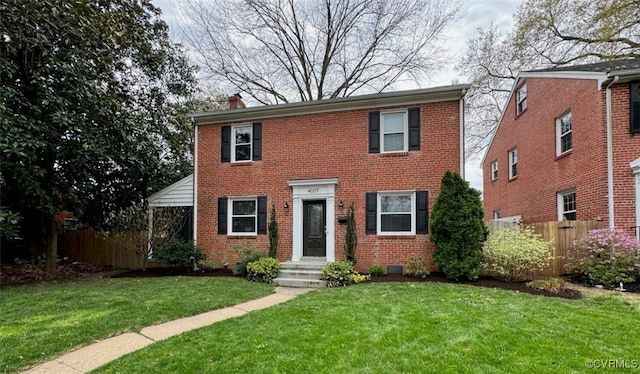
513 163
243 217
563 134
396 215
394 131
496 214
242 136
521 99
494 170
567 206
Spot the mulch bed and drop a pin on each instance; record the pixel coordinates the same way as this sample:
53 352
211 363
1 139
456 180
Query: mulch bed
29 273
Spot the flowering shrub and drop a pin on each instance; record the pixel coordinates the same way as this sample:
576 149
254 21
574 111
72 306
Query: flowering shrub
608 257
510 253
263 269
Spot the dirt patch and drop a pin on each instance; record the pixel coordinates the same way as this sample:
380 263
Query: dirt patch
29 272
172 272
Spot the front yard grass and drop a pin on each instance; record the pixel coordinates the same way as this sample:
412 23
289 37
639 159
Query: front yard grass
42 321
404 328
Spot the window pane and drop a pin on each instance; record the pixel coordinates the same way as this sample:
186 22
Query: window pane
243 152
569 202
395 203
394 142
393 122
244 207
395 222
565 124
243 135
565 142
243 224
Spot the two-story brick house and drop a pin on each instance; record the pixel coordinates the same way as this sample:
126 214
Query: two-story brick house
568 147
385 153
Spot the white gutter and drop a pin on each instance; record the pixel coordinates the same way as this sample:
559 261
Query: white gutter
610 197
462 153
195 181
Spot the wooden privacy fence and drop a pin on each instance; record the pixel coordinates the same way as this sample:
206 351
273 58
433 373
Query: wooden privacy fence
89 246
561 235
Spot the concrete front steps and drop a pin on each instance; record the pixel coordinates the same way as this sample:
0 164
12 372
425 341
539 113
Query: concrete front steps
301 274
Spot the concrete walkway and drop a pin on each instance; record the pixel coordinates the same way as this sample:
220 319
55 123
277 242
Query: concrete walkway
102 352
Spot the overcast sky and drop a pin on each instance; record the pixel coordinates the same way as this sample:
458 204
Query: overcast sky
473 14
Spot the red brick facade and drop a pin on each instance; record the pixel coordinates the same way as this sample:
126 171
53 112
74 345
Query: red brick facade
331 144
542 175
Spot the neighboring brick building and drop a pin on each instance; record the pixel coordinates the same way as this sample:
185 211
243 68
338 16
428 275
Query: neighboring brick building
549 159
385 153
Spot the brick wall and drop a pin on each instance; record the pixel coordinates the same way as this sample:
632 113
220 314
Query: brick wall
542 174
327 145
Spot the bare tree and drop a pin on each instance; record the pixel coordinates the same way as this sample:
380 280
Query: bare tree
277 51
547 33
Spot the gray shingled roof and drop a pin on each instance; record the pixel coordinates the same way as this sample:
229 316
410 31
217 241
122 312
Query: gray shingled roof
600 67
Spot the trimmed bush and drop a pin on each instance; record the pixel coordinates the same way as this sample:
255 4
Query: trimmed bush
510 253
207 265
609 256
179 253
415 267
247 255
458 229
338 273
263 270
376 270
554 285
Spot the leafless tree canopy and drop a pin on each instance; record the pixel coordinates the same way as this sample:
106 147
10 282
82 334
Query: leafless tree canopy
278 51
547 33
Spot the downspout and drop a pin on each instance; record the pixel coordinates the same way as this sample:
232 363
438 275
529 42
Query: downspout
195 181
610 199
462 134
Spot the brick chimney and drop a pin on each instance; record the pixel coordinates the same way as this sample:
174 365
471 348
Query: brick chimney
235 102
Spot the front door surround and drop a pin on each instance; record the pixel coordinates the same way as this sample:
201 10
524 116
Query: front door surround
313 190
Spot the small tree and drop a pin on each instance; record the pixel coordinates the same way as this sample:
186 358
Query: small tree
458 229
273 234
351 238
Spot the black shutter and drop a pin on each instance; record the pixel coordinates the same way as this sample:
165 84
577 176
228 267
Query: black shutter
414 129
422 212
634 88
257 141
372 213
374 132
262 214
222 215
226 144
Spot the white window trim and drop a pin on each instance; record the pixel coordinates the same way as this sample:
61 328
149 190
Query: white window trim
559 135
561 211
521 98
230 216
494 170
405 130
511 163
233 142
379 213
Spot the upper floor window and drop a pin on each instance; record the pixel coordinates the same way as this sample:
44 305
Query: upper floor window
521 99
242 136
494 170
394 132
513 163
563 134
634 88
567 206
497 214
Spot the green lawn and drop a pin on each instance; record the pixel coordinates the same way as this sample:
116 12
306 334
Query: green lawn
404 328
39 322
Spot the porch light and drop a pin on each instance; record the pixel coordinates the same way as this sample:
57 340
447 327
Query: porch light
286 205
340 205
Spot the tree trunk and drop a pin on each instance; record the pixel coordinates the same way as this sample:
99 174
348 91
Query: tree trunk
52 245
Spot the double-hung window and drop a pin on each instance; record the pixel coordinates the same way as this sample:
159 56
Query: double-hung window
394 131
397 213
494 170
513 163
521 99
243 216
241 142
567 206
563 134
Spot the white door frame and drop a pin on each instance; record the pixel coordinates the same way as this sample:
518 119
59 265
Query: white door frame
313 189
635 167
